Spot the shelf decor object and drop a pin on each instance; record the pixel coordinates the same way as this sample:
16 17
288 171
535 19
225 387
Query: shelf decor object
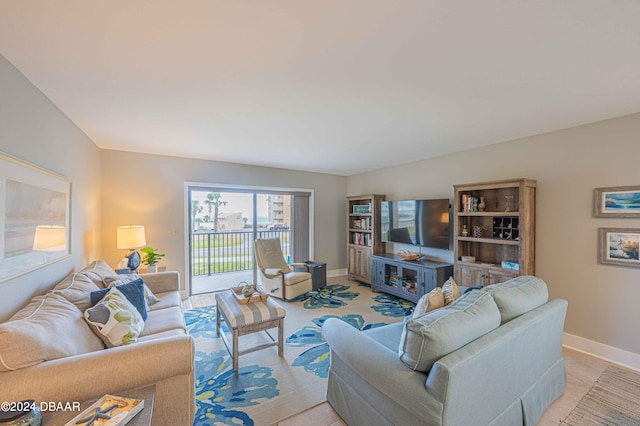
35 207
409 255
619 201
256 294
501 238
363 235
620 246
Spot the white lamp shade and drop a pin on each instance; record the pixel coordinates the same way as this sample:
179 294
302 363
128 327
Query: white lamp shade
130 237
50 238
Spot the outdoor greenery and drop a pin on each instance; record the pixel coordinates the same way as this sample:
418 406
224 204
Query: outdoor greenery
202 241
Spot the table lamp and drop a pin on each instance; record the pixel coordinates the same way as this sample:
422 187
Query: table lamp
131 237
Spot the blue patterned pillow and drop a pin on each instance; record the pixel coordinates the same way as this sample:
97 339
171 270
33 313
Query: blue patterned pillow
115 320
133 291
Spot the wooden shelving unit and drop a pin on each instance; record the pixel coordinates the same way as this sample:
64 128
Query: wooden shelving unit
363 235
503 232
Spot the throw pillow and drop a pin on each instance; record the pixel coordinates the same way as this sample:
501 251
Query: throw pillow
518 296
96 271
133 291
429 302
76 288
127 278
48 328
428 338
450 290
475 287
115 320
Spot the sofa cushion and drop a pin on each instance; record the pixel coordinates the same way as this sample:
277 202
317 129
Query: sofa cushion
49 327
117 280
96 271
133 291
76 288
115 320
169 299
163 320
429 302
428 338
518 296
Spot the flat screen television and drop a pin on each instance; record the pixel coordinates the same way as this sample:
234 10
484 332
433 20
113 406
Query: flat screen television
418 222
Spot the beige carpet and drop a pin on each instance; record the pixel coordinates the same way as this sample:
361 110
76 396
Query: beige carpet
614 400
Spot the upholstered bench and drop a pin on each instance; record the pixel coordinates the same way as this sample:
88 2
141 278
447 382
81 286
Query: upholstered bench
248 318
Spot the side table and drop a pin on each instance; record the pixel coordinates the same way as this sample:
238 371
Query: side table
318 271
143 418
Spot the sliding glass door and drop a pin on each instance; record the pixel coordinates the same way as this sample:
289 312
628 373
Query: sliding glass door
224 223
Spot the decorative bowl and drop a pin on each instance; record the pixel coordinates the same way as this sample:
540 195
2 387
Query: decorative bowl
409 255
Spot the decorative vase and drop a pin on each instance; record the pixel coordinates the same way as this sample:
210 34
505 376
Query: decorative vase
481 205
153 268
478 231
508 202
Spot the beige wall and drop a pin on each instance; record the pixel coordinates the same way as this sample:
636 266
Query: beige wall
35 130
149 190
568 165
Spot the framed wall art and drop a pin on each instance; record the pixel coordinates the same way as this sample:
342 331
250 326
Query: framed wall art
35 206
620 246
621 201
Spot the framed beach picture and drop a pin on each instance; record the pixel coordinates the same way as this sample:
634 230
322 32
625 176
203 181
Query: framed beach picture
34 217
620 246
621 201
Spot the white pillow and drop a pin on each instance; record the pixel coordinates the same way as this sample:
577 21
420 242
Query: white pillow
48 328
115 320
429 302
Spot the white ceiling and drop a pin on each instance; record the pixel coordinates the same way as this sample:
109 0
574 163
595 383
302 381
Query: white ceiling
335 86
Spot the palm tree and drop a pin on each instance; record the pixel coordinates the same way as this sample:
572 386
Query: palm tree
213 202
196 208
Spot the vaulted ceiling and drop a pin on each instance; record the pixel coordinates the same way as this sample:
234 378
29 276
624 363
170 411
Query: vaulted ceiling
337 86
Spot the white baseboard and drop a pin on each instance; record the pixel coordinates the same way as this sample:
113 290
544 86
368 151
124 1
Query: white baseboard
336 272
599 350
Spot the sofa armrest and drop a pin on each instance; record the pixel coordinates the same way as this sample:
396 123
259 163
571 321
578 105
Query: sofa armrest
162 282
382 369
91 375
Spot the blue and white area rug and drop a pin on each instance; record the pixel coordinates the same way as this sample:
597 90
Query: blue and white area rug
268 388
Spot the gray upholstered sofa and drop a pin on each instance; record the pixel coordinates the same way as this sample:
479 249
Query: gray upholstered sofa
507 376
67 362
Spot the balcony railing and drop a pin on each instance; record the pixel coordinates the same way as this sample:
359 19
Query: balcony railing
229 251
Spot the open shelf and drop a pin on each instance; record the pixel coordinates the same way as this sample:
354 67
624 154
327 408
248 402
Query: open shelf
490 240
493 235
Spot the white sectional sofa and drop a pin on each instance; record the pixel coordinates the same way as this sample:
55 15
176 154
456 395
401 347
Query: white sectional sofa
49 353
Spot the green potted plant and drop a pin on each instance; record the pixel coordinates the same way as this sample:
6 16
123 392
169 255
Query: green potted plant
151 258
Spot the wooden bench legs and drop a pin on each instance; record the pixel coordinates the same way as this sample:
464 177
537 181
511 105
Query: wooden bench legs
249 329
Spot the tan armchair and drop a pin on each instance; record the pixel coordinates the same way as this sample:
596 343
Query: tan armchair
276 277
